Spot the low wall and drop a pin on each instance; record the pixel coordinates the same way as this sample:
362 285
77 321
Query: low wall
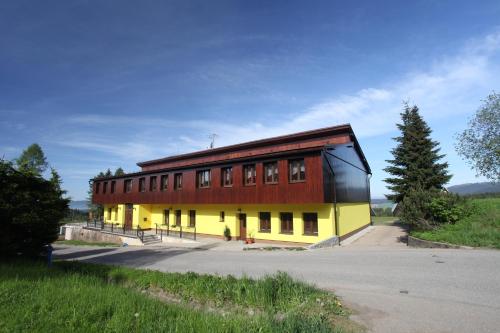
417 242
87 235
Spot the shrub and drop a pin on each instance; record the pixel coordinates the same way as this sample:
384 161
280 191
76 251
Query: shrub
425 210
446 208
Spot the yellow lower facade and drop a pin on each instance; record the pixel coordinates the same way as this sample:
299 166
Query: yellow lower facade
350 216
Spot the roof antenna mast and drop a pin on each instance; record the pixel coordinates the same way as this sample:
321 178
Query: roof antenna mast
212 140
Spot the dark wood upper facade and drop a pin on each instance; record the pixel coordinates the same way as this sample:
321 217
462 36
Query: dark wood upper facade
285 155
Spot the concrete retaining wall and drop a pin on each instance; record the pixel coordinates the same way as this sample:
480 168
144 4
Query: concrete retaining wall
87 235
417 242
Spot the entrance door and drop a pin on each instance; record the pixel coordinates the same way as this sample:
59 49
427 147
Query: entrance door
243 226
129 214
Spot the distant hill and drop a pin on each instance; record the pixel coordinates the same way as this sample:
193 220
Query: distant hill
79 204
475 188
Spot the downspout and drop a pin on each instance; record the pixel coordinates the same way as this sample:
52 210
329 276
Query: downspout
336 222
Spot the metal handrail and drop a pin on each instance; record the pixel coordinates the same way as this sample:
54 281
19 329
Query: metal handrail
140 233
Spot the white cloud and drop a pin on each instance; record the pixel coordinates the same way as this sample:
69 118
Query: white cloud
451 86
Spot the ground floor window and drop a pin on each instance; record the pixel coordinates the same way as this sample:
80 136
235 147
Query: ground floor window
178 217
265 222
222 216
192 218
109 213
310 223
286 223
166 216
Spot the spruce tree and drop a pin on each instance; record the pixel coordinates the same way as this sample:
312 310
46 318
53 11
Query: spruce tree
416 163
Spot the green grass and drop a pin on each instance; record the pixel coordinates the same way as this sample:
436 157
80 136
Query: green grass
80 297
480 228
84 243
383 219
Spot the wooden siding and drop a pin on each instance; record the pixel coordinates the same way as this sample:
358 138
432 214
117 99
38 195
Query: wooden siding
284 192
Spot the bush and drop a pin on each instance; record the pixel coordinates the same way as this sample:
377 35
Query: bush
30 210
425 210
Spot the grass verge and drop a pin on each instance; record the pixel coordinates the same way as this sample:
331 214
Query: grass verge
80 297
84 243
480 228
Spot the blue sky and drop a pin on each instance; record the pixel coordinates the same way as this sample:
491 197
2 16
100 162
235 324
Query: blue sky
110 83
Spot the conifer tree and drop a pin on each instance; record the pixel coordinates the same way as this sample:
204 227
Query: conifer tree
119 172
416 160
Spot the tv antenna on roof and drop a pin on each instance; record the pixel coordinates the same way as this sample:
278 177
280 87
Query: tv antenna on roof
212 139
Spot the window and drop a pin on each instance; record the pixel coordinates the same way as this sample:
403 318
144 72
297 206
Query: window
310 223
166 216
203 178
178 181
113 186
297 170
97 187
104 187
286 223
164 183
192 218
127 187
178 217
222 216
142 184
109 213
265 222
227 176
271 173
152 183
249 174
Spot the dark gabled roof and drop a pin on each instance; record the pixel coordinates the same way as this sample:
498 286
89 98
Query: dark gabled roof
345 128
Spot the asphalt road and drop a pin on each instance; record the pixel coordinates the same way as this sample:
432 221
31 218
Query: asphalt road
391 287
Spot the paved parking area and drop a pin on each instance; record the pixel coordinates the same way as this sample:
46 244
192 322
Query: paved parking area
391 287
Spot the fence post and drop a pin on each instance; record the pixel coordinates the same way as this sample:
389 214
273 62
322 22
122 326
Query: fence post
195 233
180 233
161 235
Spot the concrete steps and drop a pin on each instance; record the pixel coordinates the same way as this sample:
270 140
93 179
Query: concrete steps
151 239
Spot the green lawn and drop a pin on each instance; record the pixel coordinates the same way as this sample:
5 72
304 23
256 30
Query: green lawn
480 228
383 219
84 243
80 297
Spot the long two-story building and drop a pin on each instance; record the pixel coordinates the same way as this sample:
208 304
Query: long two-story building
304 187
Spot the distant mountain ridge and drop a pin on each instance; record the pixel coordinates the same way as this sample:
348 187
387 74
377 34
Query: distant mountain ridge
79 204
475 188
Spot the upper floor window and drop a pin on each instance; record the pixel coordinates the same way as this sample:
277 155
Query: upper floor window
249 174
142 184
178 181
113 186
286 223
297 170
203 178
105 187
97 187
152 183
127 186
310 223
271 172
265 222
227 176
164 183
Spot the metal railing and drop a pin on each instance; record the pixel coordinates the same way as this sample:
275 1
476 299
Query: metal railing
113 228
175 231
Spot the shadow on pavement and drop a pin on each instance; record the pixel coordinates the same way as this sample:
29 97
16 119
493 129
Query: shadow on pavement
80 254
137 258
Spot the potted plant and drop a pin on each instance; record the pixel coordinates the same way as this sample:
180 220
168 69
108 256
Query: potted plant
250 239
227 234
